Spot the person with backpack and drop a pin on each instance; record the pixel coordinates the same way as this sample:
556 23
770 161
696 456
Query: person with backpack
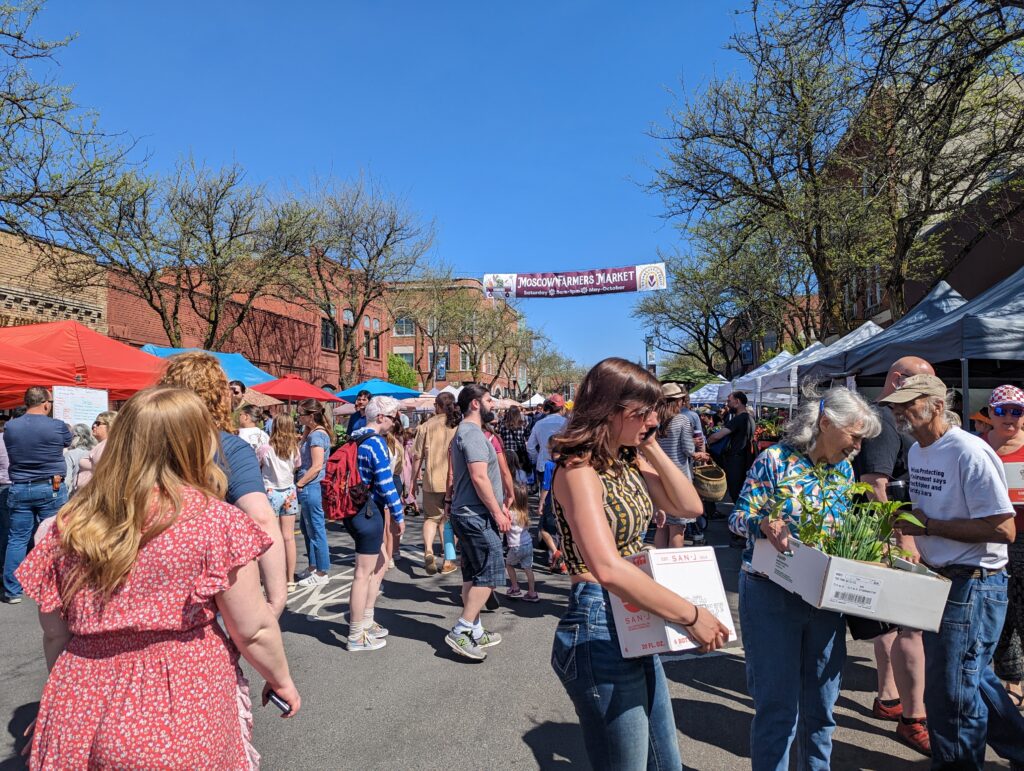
362 499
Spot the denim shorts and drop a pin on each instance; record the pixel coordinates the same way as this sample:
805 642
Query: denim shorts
520 556
284 501
482 559
677 521
366 528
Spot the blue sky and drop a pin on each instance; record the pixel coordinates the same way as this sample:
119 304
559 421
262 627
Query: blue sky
520 128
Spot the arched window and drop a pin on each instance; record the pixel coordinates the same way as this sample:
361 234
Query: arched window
376 325
404 327
348 317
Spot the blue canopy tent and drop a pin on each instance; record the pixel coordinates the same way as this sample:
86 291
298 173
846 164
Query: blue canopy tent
235 365
378 387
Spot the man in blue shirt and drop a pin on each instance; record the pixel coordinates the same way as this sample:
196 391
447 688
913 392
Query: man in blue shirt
35 446
357 419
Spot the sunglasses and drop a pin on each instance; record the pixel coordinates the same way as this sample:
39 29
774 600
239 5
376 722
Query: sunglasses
1002 410
640 414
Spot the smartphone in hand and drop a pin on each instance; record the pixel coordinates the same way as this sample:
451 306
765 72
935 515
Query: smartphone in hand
280 703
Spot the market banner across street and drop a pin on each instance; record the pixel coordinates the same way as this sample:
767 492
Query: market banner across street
632 278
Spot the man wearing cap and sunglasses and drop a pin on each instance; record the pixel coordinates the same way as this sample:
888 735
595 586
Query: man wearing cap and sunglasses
958 490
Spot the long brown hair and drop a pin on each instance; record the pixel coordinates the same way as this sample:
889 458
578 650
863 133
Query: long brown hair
163 440
611 385
513 418
315 409
666 411
284 440
200 372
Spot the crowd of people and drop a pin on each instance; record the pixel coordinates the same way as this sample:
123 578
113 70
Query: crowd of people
156 564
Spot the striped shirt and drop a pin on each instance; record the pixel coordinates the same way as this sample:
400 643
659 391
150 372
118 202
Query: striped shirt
374 463
678 443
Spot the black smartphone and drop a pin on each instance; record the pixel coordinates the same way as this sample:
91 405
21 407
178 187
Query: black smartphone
650 432
280 703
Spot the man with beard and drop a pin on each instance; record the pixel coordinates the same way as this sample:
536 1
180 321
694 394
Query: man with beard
478 519
357 419
958 490
737 456
899 654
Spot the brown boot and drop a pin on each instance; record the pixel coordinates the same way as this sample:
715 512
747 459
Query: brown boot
430 563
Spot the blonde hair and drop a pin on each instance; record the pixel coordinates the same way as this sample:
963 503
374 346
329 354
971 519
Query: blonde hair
520 508
106 418
201 373
284 440
136 492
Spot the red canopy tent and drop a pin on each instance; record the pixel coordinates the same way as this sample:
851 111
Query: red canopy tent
21 368
98 361
291 388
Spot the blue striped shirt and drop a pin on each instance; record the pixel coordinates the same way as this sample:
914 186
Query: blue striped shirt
374 463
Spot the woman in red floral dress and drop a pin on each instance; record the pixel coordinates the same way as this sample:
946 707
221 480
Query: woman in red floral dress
129 582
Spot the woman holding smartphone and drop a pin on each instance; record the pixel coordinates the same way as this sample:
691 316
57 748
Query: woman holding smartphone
129 582
610 476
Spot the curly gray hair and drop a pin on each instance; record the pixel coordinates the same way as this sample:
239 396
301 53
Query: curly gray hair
845 408
81 436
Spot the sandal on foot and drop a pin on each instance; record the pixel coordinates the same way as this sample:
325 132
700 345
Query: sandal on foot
514 594
531 597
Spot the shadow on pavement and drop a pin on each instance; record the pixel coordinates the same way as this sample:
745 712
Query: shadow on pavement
16 726
557 745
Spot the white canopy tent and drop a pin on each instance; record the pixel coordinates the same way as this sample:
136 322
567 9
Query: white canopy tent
534 401
786 379
749 383
707 393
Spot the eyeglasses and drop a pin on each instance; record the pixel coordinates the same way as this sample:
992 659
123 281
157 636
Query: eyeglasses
1002 410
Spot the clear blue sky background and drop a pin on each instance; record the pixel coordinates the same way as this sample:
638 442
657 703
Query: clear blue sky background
520 128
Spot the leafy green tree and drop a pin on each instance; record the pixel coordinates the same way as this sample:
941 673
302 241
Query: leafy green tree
400 373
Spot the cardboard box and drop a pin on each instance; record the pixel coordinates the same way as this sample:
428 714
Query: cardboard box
909 595
690 573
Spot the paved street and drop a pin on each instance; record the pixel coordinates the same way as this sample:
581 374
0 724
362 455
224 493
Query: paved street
413 704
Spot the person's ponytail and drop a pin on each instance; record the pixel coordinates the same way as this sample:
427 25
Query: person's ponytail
448 407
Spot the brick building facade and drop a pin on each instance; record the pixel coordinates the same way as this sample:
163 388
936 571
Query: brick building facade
29 294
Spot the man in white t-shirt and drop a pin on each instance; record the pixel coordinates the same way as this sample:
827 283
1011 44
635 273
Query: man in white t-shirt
958 491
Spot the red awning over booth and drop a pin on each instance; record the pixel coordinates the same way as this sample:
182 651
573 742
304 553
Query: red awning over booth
97 361
20 369
291 388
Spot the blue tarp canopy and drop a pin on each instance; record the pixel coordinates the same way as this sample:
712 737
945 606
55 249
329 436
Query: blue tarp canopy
235 365
378 387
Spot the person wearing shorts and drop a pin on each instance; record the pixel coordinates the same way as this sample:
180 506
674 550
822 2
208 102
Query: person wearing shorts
478 518
430 463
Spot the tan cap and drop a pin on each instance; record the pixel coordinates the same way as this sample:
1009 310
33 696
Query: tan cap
914 387
672 391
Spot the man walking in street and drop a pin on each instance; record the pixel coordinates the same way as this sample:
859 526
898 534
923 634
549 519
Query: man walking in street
478 518
538 445
35 447
430 463
899 654
357 419
958 490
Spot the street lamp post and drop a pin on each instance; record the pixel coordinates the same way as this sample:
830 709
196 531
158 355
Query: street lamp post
652 364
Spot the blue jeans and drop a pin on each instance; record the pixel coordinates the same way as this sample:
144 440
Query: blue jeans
795 655
314 526
623 704
5 523
28 503
967 705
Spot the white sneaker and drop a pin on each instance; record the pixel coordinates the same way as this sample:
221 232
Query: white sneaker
377 630
314 579
366 643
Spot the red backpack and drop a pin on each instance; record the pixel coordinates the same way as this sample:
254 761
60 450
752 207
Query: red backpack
344 491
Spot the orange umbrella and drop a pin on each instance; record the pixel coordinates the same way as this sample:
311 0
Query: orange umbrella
291 388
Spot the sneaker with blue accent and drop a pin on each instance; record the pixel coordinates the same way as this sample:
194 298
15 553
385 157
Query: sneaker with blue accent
463 644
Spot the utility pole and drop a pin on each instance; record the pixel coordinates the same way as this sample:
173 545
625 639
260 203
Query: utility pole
652 365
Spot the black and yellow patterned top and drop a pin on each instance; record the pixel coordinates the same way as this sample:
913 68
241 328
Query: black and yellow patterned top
628 507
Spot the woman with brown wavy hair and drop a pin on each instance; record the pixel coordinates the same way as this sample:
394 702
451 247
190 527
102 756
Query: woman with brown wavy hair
201 373
129 582
611 475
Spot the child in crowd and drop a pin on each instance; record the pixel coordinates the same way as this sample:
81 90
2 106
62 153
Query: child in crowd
520 547
547 529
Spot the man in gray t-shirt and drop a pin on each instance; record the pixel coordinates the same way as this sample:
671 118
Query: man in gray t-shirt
471 446
478 518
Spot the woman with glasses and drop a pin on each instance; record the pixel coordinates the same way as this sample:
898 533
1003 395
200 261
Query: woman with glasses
1006 437
368 525
87 465
314 448
610 476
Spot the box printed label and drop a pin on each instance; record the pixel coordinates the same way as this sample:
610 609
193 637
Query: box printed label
852 591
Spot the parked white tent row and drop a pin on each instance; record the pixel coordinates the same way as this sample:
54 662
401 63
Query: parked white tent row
707 393
786 379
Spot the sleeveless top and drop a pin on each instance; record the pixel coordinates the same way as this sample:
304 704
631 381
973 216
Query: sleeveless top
627 506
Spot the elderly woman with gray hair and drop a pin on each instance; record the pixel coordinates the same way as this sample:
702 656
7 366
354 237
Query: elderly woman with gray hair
795 652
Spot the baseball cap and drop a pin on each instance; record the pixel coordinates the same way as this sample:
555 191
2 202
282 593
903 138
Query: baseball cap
672 391
1006 394
557 400
914 387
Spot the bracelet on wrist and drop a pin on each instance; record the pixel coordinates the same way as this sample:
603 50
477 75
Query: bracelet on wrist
696 615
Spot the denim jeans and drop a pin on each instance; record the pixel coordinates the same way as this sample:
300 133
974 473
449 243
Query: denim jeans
314 526
28 503
795 655
967 705
5 523
623 704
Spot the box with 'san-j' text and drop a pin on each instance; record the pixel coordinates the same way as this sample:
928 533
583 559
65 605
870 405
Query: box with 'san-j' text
692 574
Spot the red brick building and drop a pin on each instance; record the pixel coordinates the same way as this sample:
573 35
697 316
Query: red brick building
280 337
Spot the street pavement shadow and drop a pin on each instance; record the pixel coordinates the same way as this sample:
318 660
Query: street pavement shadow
20 720
557 745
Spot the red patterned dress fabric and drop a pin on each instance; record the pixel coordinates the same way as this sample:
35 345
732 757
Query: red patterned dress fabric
149 679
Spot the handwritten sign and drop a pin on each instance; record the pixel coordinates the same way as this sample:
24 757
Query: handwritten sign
78 405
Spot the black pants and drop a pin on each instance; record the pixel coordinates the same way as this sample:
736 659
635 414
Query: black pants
735 468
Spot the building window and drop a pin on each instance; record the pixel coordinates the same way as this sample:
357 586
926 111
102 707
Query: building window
366 343
432 358
348 317
376 346
404 327
366 322
328 336
407 358
465 365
